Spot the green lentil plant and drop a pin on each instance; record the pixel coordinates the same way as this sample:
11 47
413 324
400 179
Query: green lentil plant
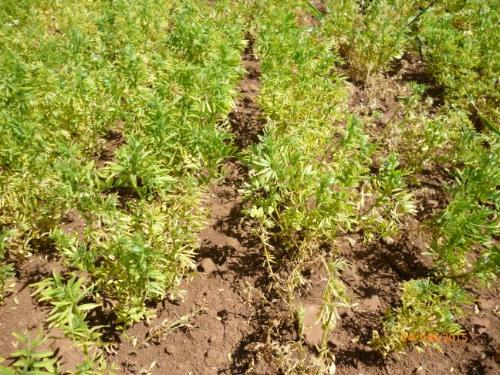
464 245
459 40
312 162
31 359
370 34
69 307
131 271
390 201
427 310
116 113
139 256
304 201
138 169
94 364
301 183
97 65
53 111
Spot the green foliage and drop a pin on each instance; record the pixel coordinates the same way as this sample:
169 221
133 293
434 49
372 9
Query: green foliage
140 258
6 269
427 309
313 160
132 272
151 79
464 244
94 66
390 201
459 41
69 299
117 111
369 34
93 365
302 199
138 169
31 358
305 171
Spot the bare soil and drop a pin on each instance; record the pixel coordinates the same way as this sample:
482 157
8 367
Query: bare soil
246 119
112 140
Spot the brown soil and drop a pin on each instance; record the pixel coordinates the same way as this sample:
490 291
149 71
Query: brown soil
373 279
73 223
113 139
246 119
411 68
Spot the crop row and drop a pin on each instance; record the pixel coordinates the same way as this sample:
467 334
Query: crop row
312 176
112 127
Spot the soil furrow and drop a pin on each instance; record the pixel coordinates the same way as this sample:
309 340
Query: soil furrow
246 119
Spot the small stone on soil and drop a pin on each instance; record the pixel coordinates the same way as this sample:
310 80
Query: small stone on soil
313 333
373 303
389 241
214 357
207 265
170 349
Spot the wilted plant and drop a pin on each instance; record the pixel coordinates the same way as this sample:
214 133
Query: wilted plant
334 296
169 326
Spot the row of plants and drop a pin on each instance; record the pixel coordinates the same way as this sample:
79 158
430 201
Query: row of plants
112 117
455 40
309 175
312 177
